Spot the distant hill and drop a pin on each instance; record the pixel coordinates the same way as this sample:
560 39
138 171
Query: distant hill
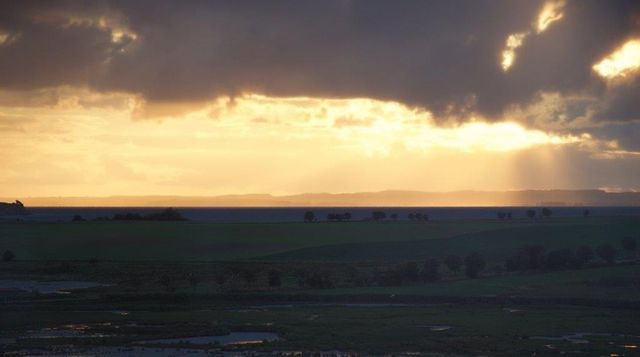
13 209
359 199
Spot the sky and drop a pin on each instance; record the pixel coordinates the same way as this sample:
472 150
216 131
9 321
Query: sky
104 97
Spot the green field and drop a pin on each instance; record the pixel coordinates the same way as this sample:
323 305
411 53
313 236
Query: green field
163 281
348 241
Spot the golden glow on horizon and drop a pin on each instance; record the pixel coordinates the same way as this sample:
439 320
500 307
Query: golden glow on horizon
622 62
509 54
550 13
293 145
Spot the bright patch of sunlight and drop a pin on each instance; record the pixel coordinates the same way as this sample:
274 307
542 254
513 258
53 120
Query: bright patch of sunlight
509 54
622 62
551 12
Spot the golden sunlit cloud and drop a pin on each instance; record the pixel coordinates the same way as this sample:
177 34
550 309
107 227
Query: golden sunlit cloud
481 136
120 33
294 144
7 37
623 62
550 13
509 54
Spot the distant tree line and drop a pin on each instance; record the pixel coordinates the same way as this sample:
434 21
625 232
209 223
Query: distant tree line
430 271
529 258
535 257
532 213
168 214
503 215
8 256
310 216
339 217
418 216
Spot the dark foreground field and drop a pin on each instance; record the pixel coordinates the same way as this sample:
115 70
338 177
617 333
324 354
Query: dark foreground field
265 288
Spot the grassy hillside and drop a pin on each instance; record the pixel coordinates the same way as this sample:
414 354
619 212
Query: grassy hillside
191 241
494 244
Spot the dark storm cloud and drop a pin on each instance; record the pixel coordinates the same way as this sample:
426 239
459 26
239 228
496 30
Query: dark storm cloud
622 103
625 134
442 55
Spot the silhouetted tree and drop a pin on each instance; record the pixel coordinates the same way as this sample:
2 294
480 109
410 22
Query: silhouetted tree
273 278
431 270
531 214
378 215
584 255
309 216
394 216
560 259
411 272
314 279
546 212
516 262
530 257
78 218
127 217
508 215
391 277
586 213
453 263
418 216
501 215
167 282
220 279
194 280
474 263
535 254
8 256
339 216
249 276
169 214
630 244
357 277
607 253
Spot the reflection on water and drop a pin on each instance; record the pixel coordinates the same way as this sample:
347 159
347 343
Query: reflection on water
576 338
47 287
234 338
114 351
66 331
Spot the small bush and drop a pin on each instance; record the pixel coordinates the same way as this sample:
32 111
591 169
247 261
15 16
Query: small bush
607 253
474 263
453 263
431 270
273 278
8 256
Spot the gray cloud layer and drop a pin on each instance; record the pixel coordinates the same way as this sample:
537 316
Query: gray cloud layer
442 55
